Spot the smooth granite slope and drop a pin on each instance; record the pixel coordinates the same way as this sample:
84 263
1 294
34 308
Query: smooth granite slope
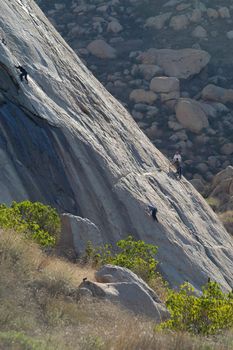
66 141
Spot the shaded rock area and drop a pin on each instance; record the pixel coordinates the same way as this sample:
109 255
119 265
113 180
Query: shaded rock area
76 232
187 40
127 290
64 140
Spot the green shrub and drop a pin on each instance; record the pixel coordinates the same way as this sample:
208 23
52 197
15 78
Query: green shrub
206 314
19 341
36 220
137 256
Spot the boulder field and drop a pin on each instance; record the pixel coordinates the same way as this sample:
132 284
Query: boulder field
64 140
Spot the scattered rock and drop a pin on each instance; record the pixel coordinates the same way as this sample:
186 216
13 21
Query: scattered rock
216 93
140 95
191 115
199 32
158 22
164 84
114 27
179 22
227 149
177 63
101 49
224 12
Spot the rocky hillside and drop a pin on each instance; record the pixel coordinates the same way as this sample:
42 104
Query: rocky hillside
129 45
67 142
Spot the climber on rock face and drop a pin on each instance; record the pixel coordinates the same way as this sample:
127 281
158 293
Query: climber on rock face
23 73
177 161
153 211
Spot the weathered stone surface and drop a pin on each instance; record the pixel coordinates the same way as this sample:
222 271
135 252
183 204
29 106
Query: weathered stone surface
222 189
149 70
179 22
140 95
199 32
216 93
101 49
115 274
159 21
76 232
196 16
177 63
191 115
128 290
114 27
212 13
164 84
67 142
227 148
224 12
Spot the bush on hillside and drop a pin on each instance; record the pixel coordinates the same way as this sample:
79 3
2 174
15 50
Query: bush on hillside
36 220
136 255
205 315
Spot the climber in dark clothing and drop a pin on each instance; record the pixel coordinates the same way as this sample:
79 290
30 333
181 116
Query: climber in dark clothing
23 73
153 211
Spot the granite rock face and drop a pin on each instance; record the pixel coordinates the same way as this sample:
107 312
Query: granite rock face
64 140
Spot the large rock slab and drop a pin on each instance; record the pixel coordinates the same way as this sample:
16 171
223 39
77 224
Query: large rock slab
113 274
67 142
127 290
191 115
76 232
182 63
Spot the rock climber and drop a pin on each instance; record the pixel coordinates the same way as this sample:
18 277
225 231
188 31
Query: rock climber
177 161
3 41
23 73
153 211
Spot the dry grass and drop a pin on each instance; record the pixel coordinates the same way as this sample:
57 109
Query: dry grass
39 309
227 220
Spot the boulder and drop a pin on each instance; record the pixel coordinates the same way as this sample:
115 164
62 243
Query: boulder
149 70
222 189
164 84
190 115
114 27
179 22
196 16
158 22
113 274
140 95
76 232
127 290
182 63
216 93
199 32
227 149
101 49
212 13
224 12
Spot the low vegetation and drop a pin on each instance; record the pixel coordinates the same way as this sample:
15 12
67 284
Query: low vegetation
136 255
40 307
35 220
